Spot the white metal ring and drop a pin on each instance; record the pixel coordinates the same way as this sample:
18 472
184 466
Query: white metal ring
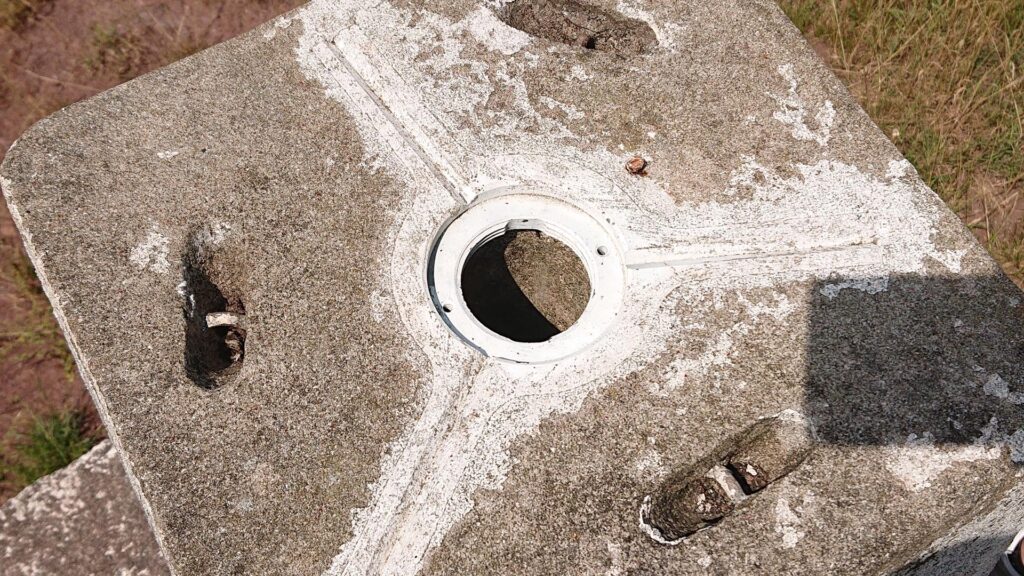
491 217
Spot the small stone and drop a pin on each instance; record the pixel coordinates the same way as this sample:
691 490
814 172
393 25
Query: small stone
235 342
215 319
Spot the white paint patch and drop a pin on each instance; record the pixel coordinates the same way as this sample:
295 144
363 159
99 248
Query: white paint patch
789 521
151 253
704 561
578 73
524 109
167 154
919 462
898 169
216 233
485 26
664 34
716 353
649 466
615 558
793 112
868 285
951 259
996 386
280 24
378 306
571 112
420 104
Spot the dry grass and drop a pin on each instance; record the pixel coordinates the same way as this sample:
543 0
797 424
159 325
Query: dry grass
32 334
115 51
15 13
944 79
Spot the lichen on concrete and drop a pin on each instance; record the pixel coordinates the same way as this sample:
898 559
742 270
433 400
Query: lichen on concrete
83 519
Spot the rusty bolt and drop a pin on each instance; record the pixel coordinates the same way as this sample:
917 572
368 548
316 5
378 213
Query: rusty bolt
772 448
682 508
234 340
637 166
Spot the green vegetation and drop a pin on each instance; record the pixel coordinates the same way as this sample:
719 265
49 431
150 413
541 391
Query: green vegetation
49 444
944 79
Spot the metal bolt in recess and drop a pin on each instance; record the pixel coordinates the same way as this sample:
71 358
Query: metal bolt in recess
768 450
235 339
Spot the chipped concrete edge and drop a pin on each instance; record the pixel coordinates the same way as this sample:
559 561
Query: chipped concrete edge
32 489
946 554
7 186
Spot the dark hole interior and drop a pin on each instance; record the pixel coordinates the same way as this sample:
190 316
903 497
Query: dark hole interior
210 353
525 286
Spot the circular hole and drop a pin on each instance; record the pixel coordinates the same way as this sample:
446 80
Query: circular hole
525 286
602 251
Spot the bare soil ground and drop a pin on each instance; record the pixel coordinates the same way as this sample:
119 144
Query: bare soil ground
54 53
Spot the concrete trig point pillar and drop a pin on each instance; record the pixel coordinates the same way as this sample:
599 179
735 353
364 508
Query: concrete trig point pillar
790 357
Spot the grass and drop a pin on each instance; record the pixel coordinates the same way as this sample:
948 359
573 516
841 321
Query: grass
32 334
115 51
49 444
944 79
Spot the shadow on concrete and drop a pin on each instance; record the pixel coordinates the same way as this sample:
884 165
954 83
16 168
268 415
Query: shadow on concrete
969 558
938 359
942 356
497 300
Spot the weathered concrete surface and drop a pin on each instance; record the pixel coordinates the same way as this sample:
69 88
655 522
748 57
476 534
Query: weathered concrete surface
82 520
779 255
969 550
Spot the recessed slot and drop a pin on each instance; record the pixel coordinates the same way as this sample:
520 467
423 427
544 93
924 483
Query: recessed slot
214 321
580 24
